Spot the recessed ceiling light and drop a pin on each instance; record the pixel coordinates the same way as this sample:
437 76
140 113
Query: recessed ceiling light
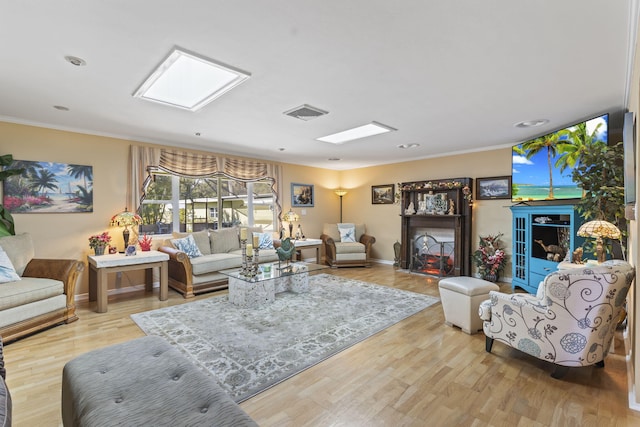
371 129
189 81
74 60
406 146
61 108
531 123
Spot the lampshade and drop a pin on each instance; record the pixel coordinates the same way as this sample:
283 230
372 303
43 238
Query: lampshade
598 228
290 216
340 192
125 219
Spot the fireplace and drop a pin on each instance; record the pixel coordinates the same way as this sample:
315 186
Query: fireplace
437 244
433 251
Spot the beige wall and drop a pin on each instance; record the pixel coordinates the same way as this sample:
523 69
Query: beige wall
383 221
65 235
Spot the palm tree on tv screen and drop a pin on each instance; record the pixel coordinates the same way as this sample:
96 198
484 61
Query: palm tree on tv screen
534 146
574 143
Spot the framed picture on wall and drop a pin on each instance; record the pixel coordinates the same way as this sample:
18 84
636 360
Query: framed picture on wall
496 187
47 187
382 194
301 195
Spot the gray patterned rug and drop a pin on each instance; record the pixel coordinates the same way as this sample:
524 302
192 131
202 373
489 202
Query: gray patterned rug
249 350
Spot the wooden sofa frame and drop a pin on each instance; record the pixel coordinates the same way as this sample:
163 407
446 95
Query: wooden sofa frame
65 270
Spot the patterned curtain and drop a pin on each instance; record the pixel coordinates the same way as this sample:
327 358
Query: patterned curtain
146 161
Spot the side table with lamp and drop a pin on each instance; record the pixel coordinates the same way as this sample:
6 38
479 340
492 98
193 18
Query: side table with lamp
126 219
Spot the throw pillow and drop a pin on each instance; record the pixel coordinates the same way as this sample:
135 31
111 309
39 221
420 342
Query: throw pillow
7 271
20 250
200 237
347 232
265 240
224 240
188 246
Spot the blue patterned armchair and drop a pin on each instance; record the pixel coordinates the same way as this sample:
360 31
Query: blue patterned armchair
570 322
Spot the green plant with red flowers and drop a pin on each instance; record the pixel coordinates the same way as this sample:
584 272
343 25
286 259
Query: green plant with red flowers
99 240
490 258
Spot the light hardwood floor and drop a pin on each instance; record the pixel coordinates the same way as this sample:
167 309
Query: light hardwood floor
418 372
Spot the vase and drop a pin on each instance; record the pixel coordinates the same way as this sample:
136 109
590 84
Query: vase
99 250
491 277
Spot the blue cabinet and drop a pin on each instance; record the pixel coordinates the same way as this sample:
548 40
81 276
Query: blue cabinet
542 237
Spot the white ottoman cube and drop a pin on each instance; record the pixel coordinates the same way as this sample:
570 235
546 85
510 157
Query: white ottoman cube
461 297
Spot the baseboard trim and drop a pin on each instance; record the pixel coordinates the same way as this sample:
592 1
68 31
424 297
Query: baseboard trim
118 291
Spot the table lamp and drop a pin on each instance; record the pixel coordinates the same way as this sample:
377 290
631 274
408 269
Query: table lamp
599 229
125 219
290 217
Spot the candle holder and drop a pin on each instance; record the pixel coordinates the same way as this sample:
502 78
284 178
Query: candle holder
244 270
254 266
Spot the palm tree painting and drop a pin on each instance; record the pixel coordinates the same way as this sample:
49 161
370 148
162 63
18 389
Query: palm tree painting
542 166
46 187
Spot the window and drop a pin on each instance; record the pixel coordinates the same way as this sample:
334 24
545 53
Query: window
194 204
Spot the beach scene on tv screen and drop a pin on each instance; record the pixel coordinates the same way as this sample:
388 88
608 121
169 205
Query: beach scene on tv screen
542 167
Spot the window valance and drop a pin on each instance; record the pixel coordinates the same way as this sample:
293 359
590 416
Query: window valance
146 161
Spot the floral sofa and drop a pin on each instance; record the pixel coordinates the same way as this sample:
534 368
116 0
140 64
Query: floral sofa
36 293
192 272
570 322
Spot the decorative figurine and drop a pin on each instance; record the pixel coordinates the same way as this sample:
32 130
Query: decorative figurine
554 252
410 210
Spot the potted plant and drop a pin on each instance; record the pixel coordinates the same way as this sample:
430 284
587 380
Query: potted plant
98 242
490 258
600 174
7 225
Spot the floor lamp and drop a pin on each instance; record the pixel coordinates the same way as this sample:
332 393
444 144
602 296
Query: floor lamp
340 192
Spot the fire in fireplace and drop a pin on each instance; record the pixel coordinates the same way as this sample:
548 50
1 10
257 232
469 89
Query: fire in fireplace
433 251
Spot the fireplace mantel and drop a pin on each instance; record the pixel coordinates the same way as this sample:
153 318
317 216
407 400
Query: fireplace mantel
437 240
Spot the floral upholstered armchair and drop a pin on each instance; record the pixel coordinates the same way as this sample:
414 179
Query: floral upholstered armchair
570 322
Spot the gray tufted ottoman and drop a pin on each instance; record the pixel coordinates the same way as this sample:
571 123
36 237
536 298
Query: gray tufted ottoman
144 382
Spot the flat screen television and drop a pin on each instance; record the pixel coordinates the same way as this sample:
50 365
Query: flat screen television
542 167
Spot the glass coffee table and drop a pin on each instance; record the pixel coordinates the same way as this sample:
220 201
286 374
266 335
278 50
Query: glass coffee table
261 289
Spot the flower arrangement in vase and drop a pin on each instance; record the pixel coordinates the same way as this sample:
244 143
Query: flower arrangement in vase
145 243
490 258
98 242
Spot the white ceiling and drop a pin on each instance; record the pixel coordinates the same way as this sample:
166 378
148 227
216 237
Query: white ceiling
452 76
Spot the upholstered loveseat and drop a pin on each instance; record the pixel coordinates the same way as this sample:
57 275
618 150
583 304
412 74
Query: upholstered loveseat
39 293
347 245
219 250
570 322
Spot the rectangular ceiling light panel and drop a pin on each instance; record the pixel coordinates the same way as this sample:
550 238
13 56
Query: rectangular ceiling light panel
189 81
364 131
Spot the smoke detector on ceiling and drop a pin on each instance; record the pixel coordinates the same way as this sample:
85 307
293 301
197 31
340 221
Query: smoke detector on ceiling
305 112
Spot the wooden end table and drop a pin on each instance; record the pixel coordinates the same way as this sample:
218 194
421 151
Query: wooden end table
101 265
308 244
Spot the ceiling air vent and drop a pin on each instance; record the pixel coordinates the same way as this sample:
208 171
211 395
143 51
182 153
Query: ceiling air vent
306 112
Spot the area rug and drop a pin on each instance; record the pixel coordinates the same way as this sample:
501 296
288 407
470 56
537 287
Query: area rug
249 350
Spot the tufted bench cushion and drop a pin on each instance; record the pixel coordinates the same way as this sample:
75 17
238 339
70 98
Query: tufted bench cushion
144 382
